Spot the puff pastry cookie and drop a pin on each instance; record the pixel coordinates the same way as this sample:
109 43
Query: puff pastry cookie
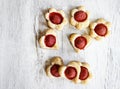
100 29
56 18
52 70
49 40
71 71
80 17
79 42
85 73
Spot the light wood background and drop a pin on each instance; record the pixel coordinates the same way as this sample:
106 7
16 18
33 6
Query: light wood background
22 61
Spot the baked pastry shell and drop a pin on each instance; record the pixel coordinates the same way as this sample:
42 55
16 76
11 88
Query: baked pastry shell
56 26
42 38
79 25
93 25
72 38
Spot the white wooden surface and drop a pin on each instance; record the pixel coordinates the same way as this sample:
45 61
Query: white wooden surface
22 60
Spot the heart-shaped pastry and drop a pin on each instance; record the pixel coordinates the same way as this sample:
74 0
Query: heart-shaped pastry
79 42
49 40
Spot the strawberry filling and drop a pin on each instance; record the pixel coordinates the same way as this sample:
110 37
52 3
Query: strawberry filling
56 18
80 42
54 70
101 29
70 73
84 73
80 16
50 40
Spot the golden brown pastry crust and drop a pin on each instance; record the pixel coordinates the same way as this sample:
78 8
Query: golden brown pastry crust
84 64
72 38
76 64
70 64
56 26
79 25
55 60
41 40
93 25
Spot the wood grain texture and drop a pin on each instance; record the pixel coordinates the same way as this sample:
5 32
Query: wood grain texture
22 61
